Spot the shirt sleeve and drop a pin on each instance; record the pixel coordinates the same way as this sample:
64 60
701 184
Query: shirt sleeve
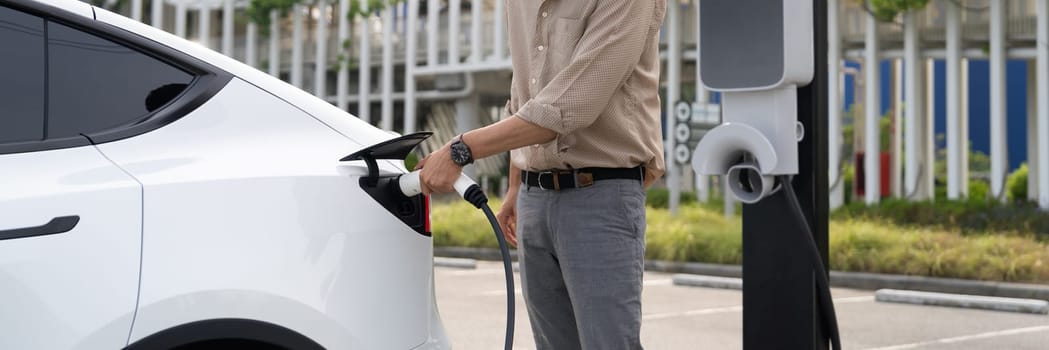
615 37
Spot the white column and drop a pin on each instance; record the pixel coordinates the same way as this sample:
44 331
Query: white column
499 32
204 26
251 45
432 19
929 133
834 102
227 28
409 64
475 30
872 114
912 106
387 69
296 45
1043 104
702 99
180 20
342 80
1032 131
673 79
999 151
274 44
156 14
136 10
454 26
320 71
364 69
896 141
955 183
963 126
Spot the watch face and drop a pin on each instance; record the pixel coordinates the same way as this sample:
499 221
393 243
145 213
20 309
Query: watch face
461 154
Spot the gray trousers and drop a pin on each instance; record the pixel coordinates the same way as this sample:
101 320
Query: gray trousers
582 254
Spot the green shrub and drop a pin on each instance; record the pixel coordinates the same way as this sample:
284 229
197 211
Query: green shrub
1016 184
849 174
979 191
967 217
460 224
868 246
698 234
695 234
660 198
886 10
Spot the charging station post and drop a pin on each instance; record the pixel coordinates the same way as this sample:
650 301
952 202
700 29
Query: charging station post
779 292
768 58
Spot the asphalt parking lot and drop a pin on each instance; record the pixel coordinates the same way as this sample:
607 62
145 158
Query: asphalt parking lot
471 303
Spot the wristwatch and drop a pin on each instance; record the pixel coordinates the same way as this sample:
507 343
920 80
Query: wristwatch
461 152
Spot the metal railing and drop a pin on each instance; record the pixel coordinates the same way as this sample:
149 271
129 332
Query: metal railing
1020 24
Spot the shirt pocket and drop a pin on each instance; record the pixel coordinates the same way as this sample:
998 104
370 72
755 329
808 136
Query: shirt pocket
564 38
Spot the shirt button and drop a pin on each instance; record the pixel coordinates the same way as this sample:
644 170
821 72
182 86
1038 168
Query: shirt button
544 14
533 80
540 48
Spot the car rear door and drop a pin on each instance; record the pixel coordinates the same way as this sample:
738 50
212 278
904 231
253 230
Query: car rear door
70 233
70 220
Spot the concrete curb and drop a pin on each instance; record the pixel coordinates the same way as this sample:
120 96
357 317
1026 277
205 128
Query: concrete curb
459 263
858 280
707 281
874 281
472 253
1030 306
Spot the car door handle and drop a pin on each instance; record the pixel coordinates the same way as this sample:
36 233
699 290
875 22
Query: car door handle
57 225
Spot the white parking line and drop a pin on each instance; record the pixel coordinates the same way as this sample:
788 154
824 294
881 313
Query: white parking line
659 282
737 308
447 271
495 292
966 338
716 310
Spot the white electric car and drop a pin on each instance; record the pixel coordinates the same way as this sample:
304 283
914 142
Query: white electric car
155 194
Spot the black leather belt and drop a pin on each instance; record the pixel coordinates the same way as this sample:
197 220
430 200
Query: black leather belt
578 178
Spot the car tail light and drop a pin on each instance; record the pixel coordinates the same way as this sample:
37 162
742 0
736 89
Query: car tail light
426 207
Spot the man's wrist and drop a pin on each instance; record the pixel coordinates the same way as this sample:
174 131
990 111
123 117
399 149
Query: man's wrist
460 152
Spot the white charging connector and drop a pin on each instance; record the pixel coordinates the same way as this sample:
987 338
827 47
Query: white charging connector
411 185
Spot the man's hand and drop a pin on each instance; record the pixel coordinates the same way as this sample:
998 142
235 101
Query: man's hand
507 216
439 172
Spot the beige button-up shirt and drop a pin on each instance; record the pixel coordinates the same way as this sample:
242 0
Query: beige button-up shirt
588 70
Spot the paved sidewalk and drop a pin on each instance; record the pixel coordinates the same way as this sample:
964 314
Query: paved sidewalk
676 317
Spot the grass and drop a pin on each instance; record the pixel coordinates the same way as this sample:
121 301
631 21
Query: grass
700 234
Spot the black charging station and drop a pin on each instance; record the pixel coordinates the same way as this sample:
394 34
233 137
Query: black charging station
780 309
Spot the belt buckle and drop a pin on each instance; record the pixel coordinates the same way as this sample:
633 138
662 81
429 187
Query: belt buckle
583 180
553 176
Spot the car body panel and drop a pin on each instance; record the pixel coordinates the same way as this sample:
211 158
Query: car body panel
77 289
249 214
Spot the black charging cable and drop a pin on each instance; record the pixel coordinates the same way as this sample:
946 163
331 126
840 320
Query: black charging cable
830 319
476 196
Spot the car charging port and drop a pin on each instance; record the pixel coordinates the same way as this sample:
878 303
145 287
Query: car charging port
412 210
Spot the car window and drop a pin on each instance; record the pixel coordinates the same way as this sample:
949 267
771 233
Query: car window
21 77
97 85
